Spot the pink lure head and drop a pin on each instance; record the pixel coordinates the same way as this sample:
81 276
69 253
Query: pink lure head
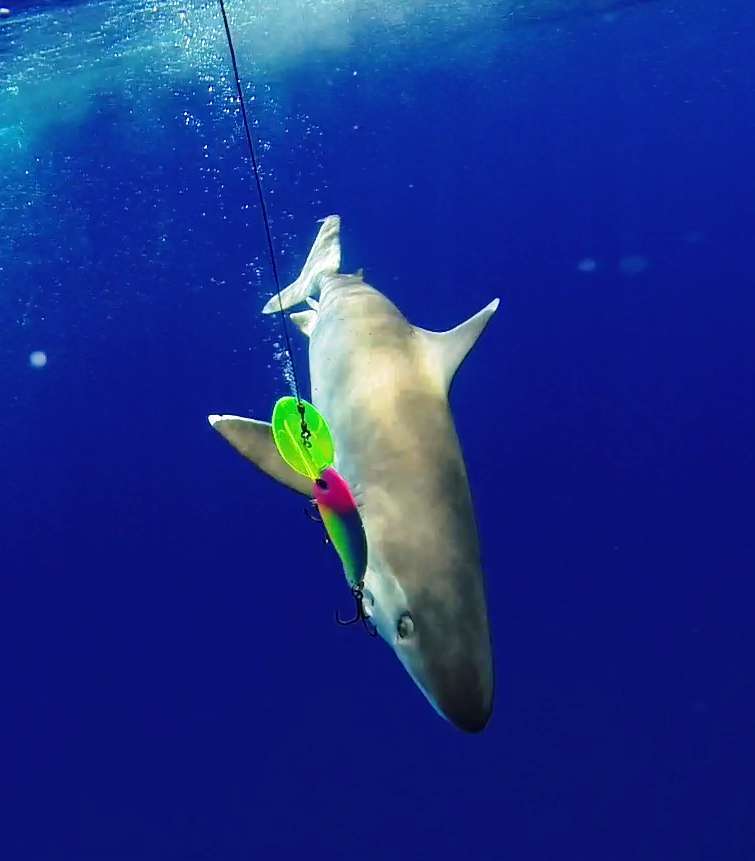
332 491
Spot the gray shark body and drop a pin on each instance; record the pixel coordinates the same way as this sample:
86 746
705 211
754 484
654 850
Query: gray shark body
382 385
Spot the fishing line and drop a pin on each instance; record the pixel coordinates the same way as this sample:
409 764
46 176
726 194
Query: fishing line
265 217
339 514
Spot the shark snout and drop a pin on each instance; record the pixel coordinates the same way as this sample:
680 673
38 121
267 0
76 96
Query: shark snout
443 643
463 694
456 677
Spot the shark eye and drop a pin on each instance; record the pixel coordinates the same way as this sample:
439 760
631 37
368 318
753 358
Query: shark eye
405 626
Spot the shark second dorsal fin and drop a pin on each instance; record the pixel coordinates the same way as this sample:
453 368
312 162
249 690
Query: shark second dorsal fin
445 351
305 321
254 440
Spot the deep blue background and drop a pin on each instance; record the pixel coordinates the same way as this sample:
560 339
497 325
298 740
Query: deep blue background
173 686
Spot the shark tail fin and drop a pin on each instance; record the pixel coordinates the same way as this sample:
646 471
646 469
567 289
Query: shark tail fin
324 259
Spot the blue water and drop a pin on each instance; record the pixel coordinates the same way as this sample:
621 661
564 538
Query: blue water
173 684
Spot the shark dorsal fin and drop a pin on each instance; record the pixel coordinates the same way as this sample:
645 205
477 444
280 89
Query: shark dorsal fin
305 321
254 440
445 351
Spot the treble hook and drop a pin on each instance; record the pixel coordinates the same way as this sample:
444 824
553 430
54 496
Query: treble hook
359 615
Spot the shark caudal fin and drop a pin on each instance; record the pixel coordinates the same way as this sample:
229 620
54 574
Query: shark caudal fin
323 259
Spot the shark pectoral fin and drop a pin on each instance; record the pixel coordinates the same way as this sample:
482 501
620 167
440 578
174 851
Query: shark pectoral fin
254 440
445 351
305 321
323 259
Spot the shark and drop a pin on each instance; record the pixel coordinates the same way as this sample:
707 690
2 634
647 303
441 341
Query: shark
383 386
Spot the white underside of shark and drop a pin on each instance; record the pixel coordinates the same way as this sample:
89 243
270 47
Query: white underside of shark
382 385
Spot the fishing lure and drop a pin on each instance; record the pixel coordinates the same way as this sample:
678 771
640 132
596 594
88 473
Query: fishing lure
340 517
304 442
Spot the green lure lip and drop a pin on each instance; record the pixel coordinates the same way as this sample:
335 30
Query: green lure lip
302 437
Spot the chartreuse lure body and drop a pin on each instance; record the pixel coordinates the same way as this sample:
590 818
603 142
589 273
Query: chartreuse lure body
303 439
340 516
